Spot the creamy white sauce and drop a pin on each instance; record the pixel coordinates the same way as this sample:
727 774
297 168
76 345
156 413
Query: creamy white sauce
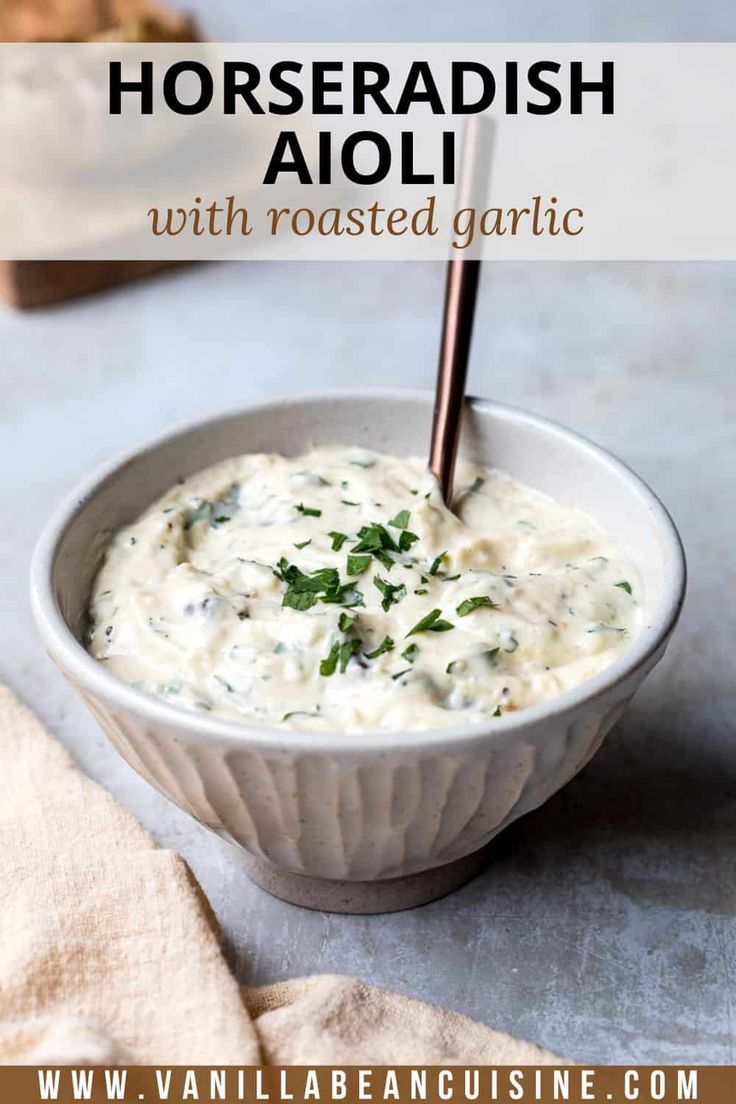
248 591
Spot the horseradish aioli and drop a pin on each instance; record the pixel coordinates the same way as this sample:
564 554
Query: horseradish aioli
335 591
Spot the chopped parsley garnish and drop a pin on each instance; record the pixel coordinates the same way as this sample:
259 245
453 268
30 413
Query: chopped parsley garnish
374 537
624 586
328 666
454 665
410 653
347 502
471 604
391 594
338 540
346 622
450 578
299 599
406 540
325 578
357 564
304 591
437 563
512 643
377 541
385 646
339 654
308 511
492 654
302 544
400 674
298 713
431 623
401 521
347 651
421 590
498 712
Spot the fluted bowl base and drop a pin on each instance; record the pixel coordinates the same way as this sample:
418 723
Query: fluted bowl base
365 898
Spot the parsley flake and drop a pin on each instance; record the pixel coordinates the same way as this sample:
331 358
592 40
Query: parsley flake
406 540
338 654
401 521
376 540
471 604
304 591
299 599
347 651
391 594
385 646
357 564
328 666
437 563
431 623
338 540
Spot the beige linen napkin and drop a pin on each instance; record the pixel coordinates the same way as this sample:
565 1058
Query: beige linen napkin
109 951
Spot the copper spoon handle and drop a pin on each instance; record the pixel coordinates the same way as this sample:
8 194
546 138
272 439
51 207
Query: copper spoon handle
457 328
461 291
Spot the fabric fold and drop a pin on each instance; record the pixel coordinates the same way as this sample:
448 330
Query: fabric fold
109 951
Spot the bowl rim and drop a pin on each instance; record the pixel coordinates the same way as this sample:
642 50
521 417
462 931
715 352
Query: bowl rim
95 680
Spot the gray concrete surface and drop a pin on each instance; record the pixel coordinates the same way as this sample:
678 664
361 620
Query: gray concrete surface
604 926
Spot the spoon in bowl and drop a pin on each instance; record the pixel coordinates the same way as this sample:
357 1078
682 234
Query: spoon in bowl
461 291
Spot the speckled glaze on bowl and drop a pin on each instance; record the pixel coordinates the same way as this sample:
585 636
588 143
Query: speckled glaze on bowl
373 822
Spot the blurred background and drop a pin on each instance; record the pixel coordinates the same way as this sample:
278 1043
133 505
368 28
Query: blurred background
604 927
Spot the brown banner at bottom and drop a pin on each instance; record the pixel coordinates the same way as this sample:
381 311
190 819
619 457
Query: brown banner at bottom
368 1084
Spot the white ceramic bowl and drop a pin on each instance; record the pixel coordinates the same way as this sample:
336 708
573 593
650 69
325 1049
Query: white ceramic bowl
361 823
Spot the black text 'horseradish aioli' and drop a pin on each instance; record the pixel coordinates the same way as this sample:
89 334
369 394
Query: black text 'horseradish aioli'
335 591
